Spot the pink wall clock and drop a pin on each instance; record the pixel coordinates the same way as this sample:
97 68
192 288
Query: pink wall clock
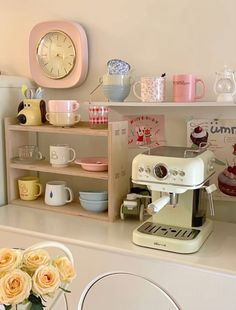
58 54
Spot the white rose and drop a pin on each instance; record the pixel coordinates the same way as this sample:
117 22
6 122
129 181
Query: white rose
15 287
9 260
46 280
33 259
65 268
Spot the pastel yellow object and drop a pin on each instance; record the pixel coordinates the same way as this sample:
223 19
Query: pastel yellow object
29 188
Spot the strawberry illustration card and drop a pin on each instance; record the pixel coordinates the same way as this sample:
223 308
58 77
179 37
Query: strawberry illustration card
146 130
219 135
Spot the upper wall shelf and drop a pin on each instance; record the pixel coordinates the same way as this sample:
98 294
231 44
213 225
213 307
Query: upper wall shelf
168 104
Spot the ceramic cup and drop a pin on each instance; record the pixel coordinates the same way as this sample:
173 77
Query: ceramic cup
116 87
62 118
62 106
57 193
29 152
185 88
118 66
98 116
117 79
152 89
29 188
61 155
116 93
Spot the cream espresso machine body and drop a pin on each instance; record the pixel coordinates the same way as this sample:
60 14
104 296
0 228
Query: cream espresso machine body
10 97
179 180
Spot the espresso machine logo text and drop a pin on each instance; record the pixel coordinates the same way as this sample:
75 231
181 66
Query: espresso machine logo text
181 83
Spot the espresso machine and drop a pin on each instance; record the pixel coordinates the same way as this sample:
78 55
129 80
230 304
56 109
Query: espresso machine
178 178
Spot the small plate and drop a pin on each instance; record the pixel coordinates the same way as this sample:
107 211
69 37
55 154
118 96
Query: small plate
93 163
17 160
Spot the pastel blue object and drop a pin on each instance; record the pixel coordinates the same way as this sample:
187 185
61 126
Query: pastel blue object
91 195
116 93
93 205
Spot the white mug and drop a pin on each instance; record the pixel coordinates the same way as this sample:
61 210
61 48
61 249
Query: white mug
57 193
152 89
61 155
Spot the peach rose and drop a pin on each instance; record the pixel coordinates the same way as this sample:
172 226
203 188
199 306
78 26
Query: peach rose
9 260
66 269
15 287
35 258
46 280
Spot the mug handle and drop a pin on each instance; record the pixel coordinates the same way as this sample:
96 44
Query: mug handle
39 155
203 88
70 194
40 189
76 106
134 90
77 118
73 155
47 116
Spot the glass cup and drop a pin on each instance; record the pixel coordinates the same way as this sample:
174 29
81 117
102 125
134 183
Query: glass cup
98 117
29 152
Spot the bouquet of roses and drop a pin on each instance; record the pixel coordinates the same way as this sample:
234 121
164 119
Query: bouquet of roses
29 277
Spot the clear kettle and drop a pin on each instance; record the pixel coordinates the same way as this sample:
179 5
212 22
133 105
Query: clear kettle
225 85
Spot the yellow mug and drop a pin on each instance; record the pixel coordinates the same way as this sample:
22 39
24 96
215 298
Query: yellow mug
29 188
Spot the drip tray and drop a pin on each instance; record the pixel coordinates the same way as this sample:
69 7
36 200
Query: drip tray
172 232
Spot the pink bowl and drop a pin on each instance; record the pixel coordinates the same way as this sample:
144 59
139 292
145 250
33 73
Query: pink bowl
93 163
62 106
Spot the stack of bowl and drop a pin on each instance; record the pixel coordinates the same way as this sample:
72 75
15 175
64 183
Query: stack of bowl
62 112
94 201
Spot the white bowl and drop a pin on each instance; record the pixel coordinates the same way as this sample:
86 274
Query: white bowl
94 206
90 195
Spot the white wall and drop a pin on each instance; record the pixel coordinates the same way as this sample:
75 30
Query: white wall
154 36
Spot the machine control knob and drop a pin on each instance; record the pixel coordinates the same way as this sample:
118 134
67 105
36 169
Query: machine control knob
182 173
148 170
161 171
140 169
174 173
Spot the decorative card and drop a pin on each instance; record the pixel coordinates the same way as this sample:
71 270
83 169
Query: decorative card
220 136
146 131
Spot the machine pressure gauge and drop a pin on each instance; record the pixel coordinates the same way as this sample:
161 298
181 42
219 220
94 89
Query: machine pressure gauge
161 171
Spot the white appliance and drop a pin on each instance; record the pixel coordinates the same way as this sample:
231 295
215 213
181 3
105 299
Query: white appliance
178 178
10 97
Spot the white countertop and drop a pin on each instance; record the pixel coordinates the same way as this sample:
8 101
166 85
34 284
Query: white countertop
218 253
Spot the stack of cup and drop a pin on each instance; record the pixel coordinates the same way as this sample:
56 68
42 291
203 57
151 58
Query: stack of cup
117 82
63 112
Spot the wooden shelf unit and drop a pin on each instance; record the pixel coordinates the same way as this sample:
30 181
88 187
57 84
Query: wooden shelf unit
116 177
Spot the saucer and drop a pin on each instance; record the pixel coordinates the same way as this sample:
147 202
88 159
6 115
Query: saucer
93 163
17 160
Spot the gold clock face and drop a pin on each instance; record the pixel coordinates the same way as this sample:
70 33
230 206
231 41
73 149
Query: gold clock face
56 54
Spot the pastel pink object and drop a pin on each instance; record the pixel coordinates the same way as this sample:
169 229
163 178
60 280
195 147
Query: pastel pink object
62 106
98 115
185 88
93 163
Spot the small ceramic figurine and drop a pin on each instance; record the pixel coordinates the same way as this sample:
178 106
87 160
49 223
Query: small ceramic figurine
32 110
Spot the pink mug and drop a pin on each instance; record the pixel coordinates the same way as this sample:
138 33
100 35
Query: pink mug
185 88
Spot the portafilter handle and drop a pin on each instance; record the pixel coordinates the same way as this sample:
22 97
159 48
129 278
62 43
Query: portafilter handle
157 205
